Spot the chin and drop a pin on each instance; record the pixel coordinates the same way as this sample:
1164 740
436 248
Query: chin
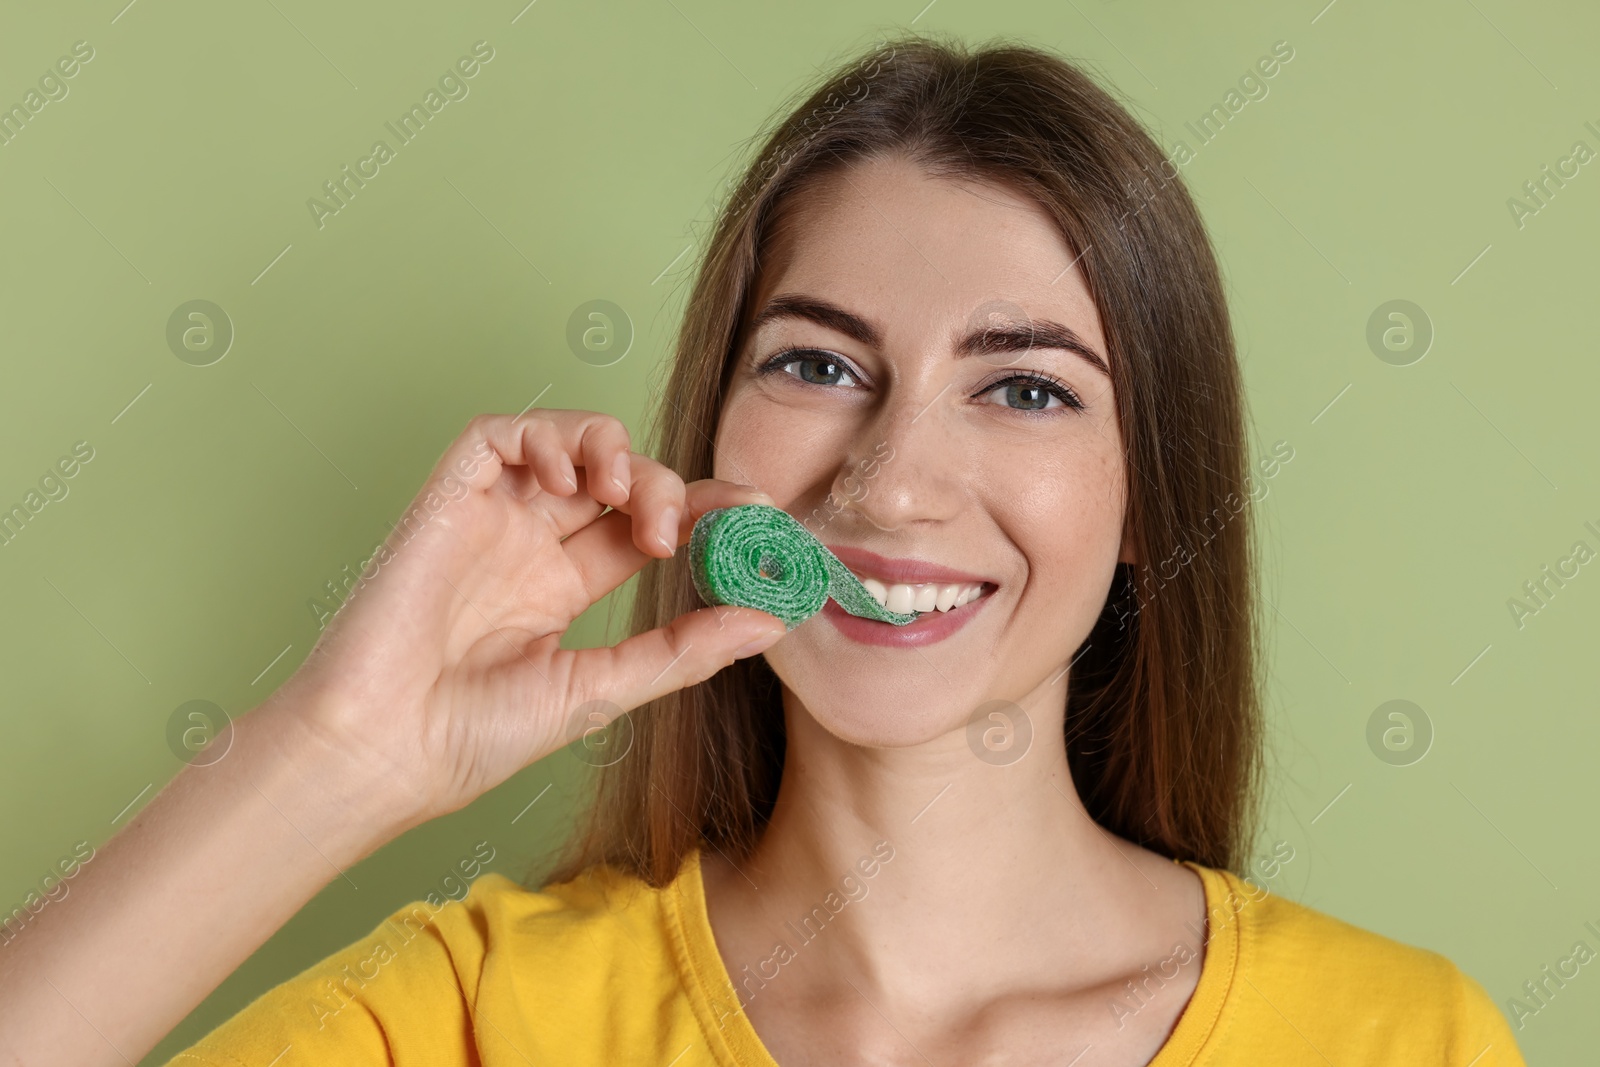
873 704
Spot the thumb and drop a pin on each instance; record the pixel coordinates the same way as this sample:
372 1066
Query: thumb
686 651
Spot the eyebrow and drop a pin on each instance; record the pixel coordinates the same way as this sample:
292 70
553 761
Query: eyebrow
1014 336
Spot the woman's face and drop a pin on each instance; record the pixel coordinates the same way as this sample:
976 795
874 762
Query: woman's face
925 456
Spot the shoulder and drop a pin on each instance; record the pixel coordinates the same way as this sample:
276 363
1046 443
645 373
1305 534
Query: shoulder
542 966
1283 936
601 928
1325 983
599 896
589 967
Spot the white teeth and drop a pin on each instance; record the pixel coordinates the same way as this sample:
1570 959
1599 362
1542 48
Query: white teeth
901 598
924 596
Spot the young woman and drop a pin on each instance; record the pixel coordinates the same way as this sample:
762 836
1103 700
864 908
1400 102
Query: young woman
962 319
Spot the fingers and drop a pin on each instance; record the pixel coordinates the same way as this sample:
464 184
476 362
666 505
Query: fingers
542 448
607 462
708 494
652 506
655 502
536 456
606 553
687 651
552 443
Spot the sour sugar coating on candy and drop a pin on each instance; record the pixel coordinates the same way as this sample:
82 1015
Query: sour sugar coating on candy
848 592
759 556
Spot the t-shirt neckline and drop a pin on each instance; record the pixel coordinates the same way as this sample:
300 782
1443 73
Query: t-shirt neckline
735 1043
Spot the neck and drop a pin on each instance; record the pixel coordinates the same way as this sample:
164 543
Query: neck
937 871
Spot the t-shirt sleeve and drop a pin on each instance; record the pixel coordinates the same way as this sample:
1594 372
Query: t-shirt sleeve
397 996
1485 1036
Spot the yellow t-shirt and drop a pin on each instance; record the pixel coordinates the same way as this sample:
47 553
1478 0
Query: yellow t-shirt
604 970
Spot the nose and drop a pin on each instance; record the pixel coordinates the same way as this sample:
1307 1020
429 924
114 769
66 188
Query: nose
907 465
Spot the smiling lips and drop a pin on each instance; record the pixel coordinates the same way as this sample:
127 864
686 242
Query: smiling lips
924 597
952 598
911 585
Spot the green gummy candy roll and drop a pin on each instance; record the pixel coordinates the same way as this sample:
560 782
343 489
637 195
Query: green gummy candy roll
759 556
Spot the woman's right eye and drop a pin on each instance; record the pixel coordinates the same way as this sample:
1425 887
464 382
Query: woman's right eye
816 369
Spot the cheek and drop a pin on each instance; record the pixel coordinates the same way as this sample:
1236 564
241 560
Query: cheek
744 444
784 451
1074 483
1065 513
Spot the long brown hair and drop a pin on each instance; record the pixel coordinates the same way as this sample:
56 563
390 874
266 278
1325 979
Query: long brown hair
1162 712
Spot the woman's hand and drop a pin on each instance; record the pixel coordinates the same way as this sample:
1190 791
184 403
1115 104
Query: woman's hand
444 668
438 678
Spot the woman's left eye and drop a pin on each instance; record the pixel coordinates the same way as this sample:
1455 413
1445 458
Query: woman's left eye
820 369
1032 394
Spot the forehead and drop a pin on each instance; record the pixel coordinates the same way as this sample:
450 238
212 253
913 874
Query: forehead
912 250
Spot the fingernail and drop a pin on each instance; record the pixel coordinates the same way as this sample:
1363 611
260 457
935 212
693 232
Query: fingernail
619 472
760 644
669 529
568 473
753 491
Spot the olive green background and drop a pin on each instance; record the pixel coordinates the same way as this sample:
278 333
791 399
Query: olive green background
587 163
